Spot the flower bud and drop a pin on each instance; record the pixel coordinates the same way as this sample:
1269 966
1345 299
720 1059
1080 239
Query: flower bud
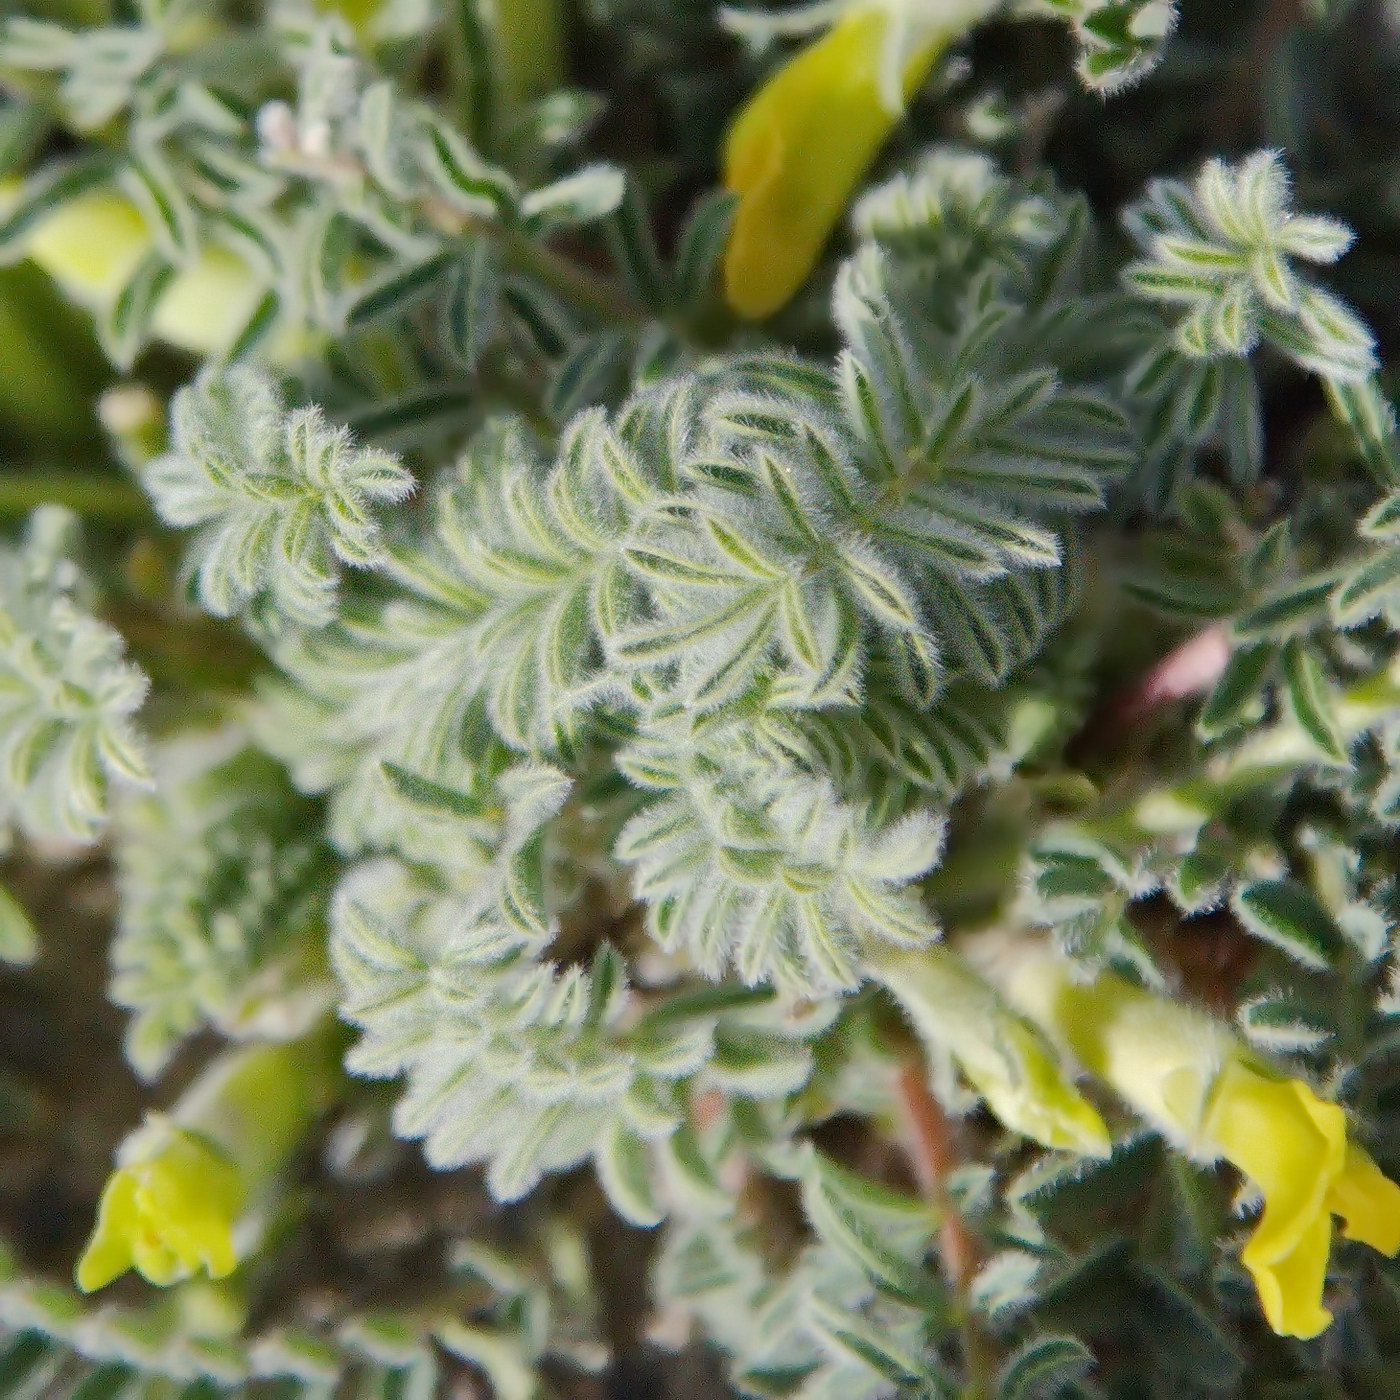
1006 1059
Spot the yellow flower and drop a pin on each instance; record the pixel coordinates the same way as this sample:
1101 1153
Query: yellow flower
811 131
190 1190
1293 1146
1191 1078
168 1211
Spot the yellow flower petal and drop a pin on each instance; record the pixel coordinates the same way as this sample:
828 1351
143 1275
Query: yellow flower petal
109 1252
798 150
167 1214
1290 1289
1368 1202
1290 1143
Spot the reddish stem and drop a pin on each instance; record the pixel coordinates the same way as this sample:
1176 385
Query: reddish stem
933 1154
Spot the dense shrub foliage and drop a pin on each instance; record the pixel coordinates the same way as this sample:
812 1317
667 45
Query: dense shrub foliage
699 701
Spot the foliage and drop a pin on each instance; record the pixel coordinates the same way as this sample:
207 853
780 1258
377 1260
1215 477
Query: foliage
66 695
732 777
222 884
277 500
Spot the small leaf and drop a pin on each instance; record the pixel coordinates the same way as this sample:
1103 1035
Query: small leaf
849 1334
1311 701
1367 589
582 198
624 1171
633 244
1289 609
125 328
471 304
701 247
1285 914
1042 1367
393 295
461 174
1237 690
169 212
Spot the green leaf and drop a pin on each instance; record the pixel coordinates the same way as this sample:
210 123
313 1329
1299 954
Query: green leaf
624 1171
1367 588
701 247
1382 521
470 312
1283 1025
633 244
875 1348
460 173
433 796
1238 689
169 213
694 1177
1041 1367
1311 701
1364 408
1199 882
859 1217
393 295
585 197
1289 609
1283 913
125 328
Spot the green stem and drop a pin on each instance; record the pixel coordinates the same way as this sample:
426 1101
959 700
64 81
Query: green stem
98 494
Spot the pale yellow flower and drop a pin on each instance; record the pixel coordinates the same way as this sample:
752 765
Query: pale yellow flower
1005 1058
190 1188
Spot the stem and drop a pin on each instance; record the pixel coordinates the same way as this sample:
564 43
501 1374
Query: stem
934 1155
98 494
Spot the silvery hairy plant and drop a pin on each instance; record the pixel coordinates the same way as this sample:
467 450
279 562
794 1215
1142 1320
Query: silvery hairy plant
725 722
